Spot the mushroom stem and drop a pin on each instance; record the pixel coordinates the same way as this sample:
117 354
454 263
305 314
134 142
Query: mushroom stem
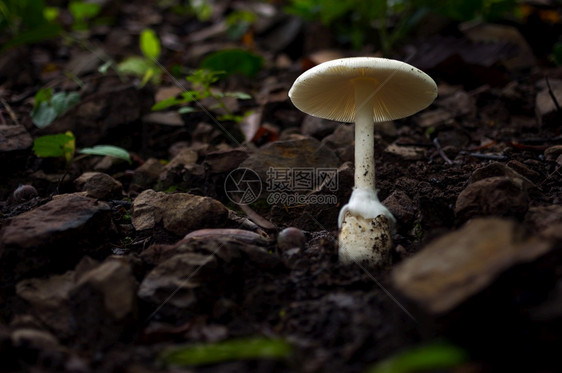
364 135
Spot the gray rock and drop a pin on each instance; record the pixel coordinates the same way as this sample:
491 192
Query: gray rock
553 152
410 153
456 267
500 196
301 153
103 304
179 213
341 141
14 138
499 169
318 127
225 160
148 173
99 186
53 236
93 305
401 207
290 238
183 158
48 300
180 276
546 221
196 272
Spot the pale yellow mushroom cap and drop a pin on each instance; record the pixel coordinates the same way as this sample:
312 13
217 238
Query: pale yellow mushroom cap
327 90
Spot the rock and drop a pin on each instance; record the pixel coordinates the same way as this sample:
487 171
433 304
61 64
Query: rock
94 304
546 221
433 118
524 170
499 169
183 158
182 171
185 276
290 238
170 118
545 107
53 236
35 347
99 186
401 207
24 193
48 300
34 339
459 104
14 138
201 270
340 141
15 143
456 267
279 158
500 196
553 152
147 174
410 153
103 304
318 127
179 213
100 113
223 161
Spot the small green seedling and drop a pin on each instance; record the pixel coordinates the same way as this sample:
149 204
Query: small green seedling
82 12
438 356
63 145
48 106
231 350
144 66
201 81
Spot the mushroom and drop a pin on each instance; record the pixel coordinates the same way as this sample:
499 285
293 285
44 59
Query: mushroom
364 90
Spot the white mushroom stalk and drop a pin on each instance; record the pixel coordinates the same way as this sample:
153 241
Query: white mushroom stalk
365 90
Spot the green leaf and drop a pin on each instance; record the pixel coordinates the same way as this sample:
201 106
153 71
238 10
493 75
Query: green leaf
164 104
134 65
186 110
432 357
44 94
49 106
81 10
149 44
109 150
233 61
238 95
63 101
60 145
33 35
231 350
44 115
51 13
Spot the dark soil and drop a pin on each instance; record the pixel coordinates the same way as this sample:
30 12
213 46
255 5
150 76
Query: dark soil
485 124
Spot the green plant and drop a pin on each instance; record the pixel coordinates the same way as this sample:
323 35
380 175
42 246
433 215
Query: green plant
48 106
231 350
63 145
144 66
82 12
26 21
433 357
356 21
201 81
239 22
233 61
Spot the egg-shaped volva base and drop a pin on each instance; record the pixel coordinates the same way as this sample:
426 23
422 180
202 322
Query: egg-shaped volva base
365 240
